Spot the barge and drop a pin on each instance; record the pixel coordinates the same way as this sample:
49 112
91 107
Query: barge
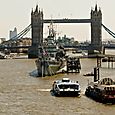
102 90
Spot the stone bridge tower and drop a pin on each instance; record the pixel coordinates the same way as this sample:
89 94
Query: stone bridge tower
96 30
37 32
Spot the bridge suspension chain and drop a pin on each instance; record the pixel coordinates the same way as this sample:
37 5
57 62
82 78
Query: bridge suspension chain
109 31
22 33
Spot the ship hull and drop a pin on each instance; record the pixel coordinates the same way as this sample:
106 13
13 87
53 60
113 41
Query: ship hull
66 93
99 97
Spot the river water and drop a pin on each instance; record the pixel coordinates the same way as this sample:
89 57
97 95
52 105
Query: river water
21 93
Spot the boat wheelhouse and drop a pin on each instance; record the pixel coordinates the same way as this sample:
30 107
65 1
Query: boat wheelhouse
66 87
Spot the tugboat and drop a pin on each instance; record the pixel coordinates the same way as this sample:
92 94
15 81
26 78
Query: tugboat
102 90
66 87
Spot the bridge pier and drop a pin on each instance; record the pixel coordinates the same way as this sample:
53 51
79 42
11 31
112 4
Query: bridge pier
33 52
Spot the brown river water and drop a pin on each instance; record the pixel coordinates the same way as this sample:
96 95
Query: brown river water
21 93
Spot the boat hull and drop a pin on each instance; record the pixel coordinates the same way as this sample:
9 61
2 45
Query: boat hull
66 93
99 97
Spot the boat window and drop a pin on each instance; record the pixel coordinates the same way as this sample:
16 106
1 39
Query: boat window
69 86
74 86
65 80
107 81
63 86
110 92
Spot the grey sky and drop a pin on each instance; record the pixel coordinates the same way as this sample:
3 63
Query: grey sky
16 13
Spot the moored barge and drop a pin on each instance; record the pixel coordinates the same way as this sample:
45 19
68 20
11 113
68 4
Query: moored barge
102 91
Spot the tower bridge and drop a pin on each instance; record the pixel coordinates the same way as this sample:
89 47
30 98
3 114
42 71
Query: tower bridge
38 21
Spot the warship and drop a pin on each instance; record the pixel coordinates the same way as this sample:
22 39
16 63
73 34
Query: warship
50 56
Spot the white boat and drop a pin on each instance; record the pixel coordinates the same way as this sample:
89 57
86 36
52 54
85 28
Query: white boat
66 87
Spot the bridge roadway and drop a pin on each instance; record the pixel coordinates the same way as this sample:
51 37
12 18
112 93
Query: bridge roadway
17 47
67 20
82 47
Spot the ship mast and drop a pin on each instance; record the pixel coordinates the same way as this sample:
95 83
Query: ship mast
52 32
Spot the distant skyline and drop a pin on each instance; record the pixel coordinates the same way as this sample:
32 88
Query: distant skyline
17 13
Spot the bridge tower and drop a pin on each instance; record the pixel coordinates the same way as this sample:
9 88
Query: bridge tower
96 30
37 32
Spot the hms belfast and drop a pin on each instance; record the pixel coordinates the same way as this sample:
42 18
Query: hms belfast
47 64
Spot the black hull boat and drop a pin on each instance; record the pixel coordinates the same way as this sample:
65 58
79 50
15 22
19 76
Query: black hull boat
102 91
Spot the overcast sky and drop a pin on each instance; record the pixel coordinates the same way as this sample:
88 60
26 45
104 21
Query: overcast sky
17 13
